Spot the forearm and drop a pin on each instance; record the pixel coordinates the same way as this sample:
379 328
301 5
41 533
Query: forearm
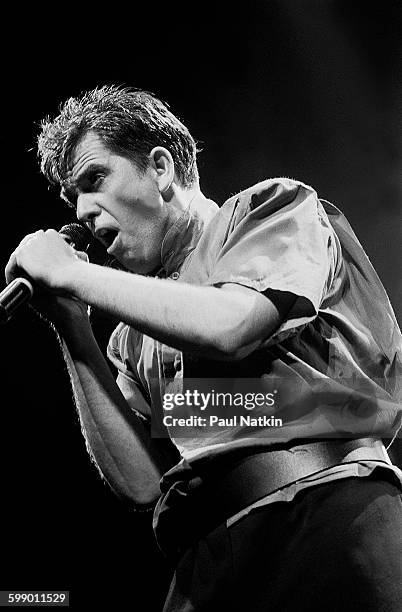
228 322
116 437
188 317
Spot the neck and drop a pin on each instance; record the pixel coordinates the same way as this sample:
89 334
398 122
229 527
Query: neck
180 198
185 231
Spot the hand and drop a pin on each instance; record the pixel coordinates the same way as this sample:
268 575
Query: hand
45 257
32 258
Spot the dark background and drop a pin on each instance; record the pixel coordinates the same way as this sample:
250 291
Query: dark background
308 89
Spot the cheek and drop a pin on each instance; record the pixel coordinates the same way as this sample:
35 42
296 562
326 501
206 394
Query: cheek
139 238
137 216
141 198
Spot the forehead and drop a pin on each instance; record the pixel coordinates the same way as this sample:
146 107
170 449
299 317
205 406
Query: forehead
88 153
88 150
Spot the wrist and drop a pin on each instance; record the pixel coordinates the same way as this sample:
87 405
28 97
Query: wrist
68 278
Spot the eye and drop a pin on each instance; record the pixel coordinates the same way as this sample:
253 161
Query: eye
96 178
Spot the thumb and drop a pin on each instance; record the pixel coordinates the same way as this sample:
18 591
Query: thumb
82 255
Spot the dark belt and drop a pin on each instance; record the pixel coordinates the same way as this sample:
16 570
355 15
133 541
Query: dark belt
222 489
258 475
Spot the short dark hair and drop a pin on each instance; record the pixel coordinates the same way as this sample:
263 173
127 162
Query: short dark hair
129 121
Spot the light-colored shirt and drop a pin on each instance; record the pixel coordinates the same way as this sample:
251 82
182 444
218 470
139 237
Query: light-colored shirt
333 367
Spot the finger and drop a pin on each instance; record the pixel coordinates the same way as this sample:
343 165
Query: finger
62 238
29 237
82 255
12 269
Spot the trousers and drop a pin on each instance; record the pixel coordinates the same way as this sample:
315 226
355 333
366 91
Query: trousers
335 547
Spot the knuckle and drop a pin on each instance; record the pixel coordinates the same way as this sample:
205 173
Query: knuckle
25 239
50 232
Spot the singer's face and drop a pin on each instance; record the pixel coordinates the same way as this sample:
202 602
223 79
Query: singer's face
121 205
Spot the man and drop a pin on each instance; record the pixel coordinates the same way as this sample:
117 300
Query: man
297 508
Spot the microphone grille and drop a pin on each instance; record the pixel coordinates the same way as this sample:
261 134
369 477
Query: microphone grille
77 235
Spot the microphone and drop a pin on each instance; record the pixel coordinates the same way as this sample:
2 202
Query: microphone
20 290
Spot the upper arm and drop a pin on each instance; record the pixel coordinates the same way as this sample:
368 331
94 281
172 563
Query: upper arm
256 317
283 251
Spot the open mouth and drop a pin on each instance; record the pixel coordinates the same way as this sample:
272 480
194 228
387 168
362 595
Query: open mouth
106 236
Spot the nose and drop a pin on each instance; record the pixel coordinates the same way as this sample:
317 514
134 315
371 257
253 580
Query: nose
87 208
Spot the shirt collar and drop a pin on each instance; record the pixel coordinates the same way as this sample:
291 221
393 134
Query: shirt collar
183 236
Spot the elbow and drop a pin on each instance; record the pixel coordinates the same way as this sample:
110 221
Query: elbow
233 347
134 493
147 496
143 499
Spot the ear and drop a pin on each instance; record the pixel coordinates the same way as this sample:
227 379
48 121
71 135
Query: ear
161 161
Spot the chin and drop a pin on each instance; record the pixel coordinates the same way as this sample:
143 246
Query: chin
137 267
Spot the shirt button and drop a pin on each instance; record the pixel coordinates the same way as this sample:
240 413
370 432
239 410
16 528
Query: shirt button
174 276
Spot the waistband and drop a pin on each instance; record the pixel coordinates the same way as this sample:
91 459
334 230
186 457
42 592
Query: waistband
193 507
258 475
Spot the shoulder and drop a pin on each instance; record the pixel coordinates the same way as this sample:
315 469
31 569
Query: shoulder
270 197
272 187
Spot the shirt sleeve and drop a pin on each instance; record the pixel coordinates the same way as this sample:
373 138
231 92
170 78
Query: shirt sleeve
118 351
285 243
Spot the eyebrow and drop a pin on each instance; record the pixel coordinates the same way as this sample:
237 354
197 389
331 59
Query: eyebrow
92 167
